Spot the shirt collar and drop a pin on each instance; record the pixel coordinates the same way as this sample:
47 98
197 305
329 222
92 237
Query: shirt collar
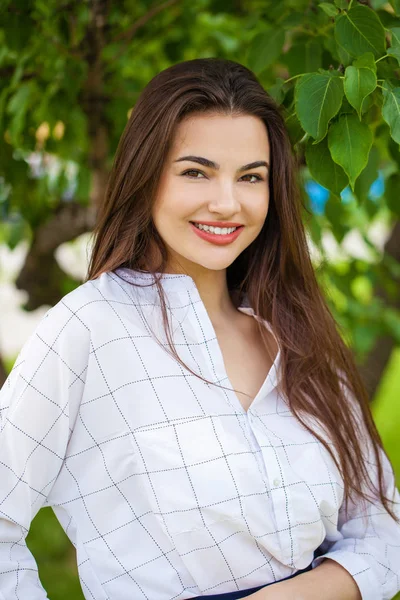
171 282
179 282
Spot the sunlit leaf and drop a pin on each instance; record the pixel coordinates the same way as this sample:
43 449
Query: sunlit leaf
359 30
394 49
265 49
328 8
318 98
391 109
349 143
323 169
358 84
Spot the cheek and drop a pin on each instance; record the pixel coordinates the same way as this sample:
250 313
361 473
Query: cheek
259 209
179 199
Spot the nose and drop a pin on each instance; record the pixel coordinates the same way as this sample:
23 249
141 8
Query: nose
224 202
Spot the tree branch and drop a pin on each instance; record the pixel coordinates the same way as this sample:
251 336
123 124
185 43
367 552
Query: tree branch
41 276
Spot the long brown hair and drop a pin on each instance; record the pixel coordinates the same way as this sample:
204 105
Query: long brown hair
319 377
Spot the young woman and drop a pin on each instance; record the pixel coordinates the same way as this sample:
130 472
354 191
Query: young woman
190 411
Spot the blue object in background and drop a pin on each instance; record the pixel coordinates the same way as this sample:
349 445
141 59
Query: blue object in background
377 188
319 195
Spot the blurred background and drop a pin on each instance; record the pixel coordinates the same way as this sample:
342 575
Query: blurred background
70 73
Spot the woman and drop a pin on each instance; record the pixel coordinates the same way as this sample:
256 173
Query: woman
190 411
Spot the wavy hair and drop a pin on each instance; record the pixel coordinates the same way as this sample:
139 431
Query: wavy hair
319 376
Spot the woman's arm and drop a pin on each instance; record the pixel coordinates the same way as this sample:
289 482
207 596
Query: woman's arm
38 406
328 581
367 553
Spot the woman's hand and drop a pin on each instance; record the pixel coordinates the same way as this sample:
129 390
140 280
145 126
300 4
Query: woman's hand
329 581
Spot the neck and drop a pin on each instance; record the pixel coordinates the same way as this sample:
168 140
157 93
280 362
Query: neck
213 289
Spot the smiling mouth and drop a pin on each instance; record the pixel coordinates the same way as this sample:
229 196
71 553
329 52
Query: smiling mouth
215 237
202 226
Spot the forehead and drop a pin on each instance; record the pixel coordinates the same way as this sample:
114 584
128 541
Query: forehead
232 137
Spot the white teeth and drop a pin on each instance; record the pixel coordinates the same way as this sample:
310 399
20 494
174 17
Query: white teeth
215 230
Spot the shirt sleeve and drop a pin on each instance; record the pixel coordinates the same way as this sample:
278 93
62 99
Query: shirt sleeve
38 407
370 545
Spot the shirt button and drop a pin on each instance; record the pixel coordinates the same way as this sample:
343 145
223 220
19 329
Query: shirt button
276 482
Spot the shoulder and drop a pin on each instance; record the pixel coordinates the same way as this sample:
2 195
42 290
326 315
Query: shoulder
86 303
70 322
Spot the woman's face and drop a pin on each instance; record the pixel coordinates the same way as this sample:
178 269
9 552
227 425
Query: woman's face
222 192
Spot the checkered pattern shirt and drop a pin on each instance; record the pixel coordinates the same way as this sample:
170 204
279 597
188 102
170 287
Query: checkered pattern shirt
165 485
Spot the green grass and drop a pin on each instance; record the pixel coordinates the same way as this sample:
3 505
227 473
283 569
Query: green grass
386 411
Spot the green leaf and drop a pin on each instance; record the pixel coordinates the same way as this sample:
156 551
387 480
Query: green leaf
341 3
304 57
396 6
359 30
377 4
336 214
14 232
294 128
344 57
392 193
394 49
18 101
323 169
17 107
318 97
366 60
350 143
366 179
293 19
393 149
276 91
391 109
329 9
358 84
265 49
315 230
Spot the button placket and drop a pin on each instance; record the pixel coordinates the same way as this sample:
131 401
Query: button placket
280 494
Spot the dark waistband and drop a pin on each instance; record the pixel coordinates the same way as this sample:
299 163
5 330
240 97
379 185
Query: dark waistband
243 593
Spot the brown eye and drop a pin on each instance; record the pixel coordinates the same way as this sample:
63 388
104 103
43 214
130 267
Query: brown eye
192 171
259 178
196 171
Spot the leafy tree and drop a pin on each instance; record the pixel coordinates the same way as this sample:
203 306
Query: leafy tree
70 74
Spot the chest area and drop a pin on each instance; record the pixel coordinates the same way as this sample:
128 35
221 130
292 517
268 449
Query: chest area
247 360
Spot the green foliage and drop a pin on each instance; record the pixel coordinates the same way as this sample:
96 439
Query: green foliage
55 557
318 99
359 82
359 30
331 66
350 142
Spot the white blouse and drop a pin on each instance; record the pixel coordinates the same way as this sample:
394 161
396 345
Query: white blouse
165 485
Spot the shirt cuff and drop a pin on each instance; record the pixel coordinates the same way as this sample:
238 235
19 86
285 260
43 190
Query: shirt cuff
358 568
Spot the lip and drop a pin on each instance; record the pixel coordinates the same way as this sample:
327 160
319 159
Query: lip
218 240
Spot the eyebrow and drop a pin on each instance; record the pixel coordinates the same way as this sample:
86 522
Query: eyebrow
212 165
